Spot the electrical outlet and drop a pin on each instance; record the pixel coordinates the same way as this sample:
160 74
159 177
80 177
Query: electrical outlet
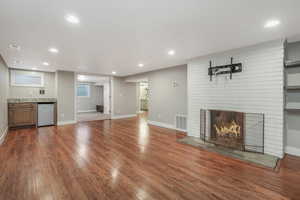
42 91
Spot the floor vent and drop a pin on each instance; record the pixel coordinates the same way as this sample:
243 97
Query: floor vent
181 122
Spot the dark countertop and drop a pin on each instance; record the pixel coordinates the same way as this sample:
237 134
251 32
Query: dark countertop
32 100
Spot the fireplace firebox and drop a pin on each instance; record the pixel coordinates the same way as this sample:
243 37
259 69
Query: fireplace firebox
227 129
231 129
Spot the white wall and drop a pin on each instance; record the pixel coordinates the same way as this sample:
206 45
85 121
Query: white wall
86 104
106 98
3 99
258 89
34 92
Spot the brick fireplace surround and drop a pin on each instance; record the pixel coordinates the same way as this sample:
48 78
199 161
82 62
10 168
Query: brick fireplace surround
257 89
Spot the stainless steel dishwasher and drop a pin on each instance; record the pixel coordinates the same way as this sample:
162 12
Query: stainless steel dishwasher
45 114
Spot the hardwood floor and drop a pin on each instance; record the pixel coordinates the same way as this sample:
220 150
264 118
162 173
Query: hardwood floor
127 159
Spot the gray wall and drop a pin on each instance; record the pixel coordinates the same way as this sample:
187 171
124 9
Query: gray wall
168 93
89 103
124 97
293 51
3 98
65 86
33 92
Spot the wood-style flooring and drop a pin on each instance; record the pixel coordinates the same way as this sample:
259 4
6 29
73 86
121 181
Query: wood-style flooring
127 159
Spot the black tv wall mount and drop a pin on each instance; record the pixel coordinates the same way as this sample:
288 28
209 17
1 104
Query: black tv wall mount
224 69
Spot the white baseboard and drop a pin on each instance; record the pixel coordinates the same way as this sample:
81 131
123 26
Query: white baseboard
86 111
182 130
66 122
165 125
292 150
2 138
160 124
122 116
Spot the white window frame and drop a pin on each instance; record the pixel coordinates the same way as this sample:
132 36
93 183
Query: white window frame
89 90
13 74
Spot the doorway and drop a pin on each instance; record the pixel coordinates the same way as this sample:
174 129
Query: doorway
92 97
143 97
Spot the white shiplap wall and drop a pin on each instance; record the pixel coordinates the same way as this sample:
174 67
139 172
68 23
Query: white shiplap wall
258 89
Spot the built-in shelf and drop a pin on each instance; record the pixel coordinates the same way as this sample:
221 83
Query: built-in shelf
292 63
292 109
293 79
292 106
293 87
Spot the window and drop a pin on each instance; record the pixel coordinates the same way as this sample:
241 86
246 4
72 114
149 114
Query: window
26 78
83 90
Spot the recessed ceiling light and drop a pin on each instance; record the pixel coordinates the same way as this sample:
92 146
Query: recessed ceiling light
113 72
45 63
53 50
15 47
81 78
171 52
272 23
72 19
141 65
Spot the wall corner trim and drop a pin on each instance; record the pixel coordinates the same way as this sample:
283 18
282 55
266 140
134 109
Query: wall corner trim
292 150
66 122
164 125
123 116
2 138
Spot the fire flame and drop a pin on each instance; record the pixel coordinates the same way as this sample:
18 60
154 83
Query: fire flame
232 129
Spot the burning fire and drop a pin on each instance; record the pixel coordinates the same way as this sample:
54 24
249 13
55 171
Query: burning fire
232 129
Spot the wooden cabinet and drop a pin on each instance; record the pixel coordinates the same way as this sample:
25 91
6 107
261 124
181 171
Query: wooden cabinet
22 114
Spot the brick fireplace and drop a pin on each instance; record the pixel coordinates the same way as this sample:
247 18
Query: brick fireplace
259 88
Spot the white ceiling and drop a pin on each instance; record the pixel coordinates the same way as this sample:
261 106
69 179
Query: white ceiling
117 35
